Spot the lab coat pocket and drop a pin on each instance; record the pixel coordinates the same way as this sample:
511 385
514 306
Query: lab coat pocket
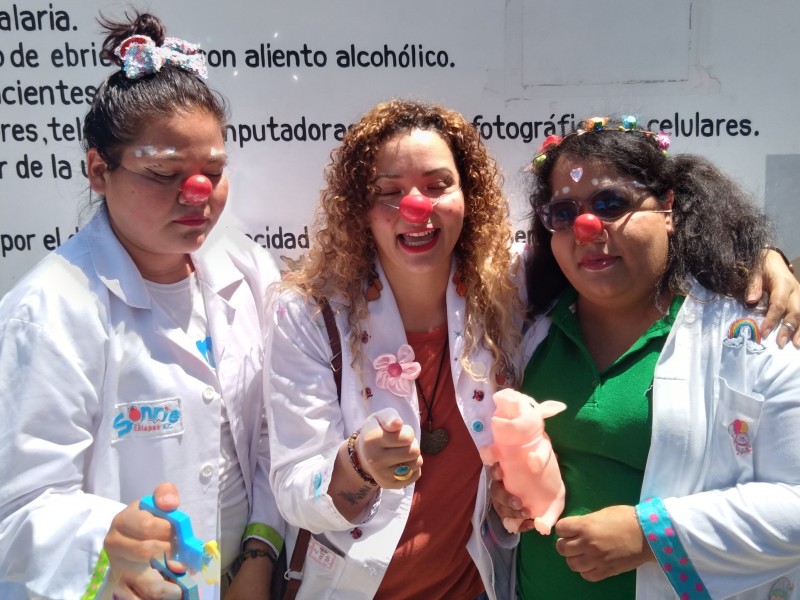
735 429
321 571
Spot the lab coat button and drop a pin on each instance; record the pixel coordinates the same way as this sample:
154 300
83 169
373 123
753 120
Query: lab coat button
207 470
208 394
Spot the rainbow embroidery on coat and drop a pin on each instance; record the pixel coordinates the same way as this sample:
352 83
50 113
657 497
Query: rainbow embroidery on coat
744 332
781 590
746 327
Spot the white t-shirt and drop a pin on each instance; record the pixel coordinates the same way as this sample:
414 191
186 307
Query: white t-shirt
183 302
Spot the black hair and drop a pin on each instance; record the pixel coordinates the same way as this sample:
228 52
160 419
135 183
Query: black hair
122 106
718 233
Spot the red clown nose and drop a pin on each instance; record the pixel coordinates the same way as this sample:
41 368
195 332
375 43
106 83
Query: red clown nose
587 228
196 189
416 208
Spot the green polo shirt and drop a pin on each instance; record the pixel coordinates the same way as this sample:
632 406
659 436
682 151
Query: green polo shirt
601 441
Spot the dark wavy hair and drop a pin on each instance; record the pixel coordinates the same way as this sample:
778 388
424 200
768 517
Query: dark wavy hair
718 233
341 259
121 106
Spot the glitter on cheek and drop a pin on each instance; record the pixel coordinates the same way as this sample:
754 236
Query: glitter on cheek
566 190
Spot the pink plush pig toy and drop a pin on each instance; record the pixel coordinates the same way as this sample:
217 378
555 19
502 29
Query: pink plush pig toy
530 469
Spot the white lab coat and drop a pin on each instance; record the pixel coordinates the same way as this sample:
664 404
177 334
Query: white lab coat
737 514
80 345
307 426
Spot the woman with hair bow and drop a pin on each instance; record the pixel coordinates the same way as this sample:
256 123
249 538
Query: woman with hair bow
379 474
680 444
131 358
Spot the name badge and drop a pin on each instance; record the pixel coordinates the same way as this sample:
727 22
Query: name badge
148 419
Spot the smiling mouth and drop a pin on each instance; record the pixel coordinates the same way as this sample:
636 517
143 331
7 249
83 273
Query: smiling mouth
419 239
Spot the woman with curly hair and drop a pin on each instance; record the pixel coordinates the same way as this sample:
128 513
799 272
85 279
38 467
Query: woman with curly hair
413 257
680 444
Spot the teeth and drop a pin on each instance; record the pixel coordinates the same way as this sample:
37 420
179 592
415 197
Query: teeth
418 238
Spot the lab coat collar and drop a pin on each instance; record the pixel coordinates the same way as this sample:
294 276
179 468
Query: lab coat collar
387 333
213 266
119 273
112 263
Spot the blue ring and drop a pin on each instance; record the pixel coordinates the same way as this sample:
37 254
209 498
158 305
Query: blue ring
402 470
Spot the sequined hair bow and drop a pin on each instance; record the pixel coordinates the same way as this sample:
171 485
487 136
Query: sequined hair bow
141 56
627 124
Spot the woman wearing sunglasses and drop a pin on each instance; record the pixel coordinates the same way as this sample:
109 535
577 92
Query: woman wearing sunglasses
680 444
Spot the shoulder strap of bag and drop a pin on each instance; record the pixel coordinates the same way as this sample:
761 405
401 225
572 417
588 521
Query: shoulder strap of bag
294 576
336 345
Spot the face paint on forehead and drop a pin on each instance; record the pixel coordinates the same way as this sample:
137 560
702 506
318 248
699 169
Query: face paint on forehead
605 181
153 152
218 155
144 151
577 173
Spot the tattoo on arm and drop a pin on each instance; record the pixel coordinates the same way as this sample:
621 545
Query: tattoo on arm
356 497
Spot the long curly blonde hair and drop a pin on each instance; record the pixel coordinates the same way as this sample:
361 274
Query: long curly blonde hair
341 258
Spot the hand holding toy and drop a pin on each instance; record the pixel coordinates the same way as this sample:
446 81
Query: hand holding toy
198 556
530 469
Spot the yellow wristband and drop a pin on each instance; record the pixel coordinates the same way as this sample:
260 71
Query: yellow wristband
264 532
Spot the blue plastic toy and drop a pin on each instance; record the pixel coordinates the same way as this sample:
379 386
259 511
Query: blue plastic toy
198 556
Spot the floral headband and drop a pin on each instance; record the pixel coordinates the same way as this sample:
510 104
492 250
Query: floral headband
627 124
140 56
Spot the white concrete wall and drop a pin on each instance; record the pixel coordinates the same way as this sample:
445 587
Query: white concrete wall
514 67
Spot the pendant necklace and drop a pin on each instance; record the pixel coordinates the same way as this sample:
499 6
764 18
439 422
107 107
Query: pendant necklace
433 440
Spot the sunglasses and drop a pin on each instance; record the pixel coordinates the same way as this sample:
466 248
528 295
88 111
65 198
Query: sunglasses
607 204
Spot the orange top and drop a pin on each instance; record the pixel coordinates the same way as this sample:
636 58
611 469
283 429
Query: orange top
431 560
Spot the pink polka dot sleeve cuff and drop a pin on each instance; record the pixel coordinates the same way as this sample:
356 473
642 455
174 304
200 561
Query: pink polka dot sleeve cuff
669 551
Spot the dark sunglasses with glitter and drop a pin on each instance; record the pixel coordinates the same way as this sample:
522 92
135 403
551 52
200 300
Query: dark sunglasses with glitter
607 204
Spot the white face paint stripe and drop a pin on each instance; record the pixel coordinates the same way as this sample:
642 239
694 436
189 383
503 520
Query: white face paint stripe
153 152
144 151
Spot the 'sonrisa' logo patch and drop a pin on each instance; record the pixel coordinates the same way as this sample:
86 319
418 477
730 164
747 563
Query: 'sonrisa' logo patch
149 419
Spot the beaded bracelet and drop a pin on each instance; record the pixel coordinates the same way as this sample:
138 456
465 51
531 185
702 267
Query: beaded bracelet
351 453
